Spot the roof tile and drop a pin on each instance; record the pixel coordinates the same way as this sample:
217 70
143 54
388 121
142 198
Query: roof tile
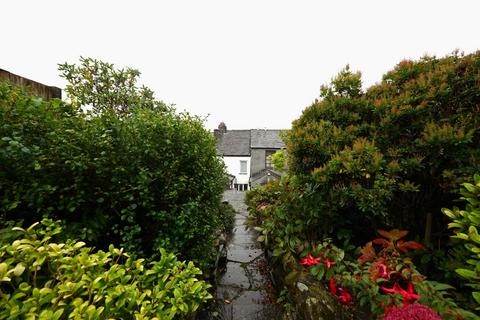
266 139
234 143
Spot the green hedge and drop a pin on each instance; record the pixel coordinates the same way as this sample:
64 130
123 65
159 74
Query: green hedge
390 156
147 180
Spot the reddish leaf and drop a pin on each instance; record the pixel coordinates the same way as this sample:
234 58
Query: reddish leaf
368 253
404 246
383 242
394 234
378 269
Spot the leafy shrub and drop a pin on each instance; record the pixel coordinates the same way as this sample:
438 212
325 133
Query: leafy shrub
388 270
388 157
260 198
384 158
104 89
227 217
43 279
358 275
279 161
278 218
381 280
135 176
465 224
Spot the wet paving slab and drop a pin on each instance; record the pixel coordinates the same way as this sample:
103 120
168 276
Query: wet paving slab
243 254
244 290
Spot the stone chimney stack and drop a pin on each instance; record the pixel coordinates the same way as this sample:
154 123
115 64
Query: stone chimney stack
222 129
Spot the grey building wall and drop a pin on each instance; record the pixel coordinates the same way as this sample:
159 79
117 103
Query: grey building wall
257 160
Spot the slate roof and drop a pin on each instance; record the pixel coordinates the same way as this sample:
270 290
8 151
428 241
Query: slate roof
234 143
239 142
266 139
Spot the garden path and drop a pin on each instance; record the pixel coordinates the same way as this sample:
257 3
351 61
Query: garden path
244 290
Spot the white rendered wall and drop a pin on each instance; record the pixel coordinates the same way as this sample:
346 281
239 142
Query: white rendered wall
233 167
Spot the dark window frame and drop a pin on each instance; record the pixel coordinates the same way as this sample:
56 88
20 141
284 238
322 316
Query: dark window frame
268 159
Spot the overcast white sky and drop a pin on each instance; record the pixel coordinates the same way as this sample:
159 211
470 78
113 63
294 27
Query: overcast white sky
251 64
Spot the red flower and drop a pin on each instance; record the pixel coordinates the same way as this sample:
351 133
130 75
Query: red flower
344 297
409 296
309 260
329 263
383 271
333 287
395 288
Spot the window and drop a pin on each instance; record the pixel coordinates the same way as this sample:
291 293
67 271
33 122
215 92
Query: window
243 167
268 158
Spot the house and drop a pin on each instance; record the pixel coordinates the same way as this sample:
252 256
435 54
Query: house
263 144
246 154
234 147
36 88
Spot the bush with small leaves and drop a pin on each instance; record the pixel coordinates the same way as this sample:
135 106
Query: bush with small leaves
131 173
465 224
42 279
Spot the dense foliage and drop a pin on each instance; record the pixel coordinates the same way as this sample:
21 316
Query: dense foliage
125 173
42 279
383 278
389 156
465 224
386 158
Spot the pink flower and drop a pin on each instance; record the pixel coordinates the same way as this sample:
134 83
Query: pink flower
412 312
